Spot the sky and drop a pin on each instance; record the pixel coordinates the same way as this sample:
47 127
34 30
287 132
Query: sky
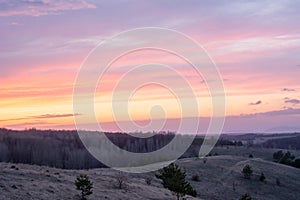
254 44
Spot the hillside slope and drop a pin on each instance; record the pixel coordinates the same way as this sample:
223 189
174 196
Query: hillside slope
28 182
220 178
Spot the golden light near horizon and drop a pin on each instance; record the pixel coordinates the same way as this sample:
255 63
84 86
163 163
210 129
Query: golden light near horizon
152 100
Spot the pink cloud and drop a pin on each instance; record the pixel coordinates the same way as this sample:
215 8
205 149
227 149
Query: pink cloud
44 116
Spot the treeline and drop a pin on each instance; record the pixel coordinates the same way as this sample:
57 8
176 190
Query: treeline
286 158
64 149
61 149
284 143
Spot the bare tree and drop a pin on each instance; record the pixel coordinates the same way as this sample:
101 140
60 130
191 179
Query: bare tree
121 180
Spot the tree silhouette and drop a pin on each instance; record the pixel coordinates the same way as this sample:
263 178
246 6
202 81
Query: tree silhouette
245 196
174 180
247 171
84 184
262 177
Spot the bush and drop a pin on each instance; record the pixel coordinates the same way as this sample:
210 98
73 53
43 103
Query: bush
297 163
148 181
195 178
247 171
277 155
278 182
262 177
245 196
250 156
287 158
174 180
84 184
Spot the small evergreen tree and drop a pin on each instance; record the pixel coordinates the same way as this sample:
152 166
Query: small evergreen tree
247 171
245 196
148 181
262 177
84 184
278 182
174 179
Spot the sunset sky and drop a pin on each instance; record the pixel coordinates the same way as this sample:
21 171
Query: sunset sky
254 44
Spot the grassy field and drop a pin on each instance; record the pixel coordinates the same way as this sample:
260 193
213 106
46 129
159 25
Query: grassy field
220 177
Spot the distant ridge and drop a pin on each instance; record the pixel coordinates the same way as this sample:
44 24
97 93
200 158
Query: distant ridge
283 129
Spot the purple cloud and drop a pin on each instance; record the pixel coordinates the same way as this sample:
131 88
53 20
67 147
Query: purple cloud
292 101
40 7
289 111
288 90
255 103
45 116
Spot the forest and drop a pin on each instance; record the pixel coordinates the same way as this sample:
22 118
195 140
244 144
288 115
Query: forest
64 149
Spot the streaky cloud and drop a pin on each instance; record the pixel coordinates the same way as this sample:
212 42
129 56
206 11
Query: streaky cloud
292 101
44 116
40 8
288 111
288 90
255 103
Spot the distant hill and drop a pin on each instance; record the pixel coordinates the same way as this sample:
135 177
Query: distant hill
274 140
283 129
283 143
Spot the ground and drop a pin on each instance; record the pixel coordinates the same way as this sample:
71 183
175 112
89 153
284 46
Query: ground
220 177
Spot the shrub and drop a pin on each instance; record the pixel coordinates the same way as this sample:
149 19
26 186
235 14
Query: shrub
195 178
247 171
84 184
174 180
250 156
14 187
245 196
297 163
148 181
277 155
287 158
262 177
278 182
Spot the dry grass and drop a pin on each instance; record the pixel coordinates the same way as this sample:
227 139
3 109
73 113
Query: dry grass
220 178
